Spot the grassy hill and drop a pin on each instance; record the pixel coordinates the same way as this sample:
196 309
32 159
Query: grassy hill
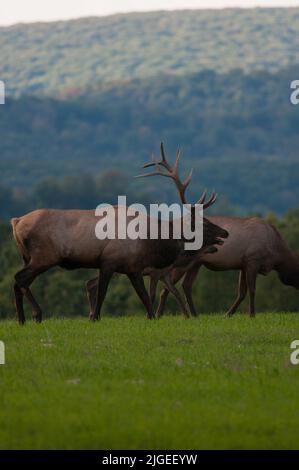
206 383
63 56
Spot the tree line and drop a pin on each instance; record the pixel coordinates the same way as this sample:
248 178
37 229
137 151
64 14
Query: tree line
35 58
238 131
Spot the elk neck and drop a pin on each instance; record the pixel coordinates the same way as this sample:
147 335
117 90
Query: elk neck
288 268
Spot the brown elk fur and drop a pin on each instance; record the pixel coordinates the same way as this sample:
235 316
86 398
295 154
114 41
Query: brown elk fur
66 238
254 247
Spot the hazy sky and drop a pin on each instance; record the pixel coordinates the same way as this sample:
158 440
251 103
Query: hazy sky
14 11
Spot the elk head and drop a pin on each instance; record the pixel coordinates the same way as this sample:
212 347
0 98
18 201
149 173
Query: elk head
288 271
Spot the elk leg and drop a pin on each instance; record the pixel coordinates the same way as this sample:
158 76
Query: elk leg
91 291
36 310
176 275
251 275
102 286
242 291
19 304
162 302
171 288
138 284
23 279
187 286
153 288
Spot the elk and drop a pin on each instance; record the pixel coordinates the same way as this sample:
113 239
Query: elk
183 262
66 238
254 247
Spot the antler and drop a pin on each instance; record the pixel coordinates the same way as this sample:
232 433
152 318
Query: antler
210 201
173 173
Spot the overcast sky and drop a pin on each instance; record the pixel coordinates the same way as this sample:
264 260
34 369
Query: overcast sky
15 11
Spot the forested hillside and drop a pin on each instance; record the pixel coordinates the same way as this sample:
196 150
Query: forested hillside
238 131
86 97
62 56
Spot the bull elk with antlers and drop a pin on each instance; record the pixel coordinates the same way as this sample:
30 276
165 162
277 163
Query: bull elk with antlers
254 247
66 238
163 168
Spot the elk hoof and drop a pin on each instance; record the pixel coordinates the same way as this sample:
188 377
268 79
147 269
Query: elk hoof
229 314
92 317
37 319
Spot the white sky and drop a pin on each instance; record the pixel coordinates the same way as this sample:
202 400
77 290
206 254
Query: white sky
15 11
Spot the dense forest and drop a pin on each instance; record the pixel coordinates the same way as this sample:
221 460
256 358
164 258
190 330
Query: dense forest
64 56
97 95
238 131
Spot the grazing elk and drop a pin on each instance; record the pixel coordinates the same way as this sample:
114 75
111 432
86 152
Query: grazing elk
66 238
183 262
254 247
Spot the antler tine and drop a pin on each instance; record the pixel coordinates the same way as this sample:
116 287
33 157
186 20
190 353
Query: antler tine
174 173
171 172
153 162
188 179
163 162
163 152
158 171
177 160
211 200
202 198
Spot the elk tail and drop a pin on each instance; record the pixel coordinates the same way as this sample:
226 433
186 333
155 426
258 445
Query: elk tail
21 246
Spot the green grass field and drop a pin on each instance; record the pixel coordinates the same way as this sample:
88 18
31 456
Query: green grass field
129 383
